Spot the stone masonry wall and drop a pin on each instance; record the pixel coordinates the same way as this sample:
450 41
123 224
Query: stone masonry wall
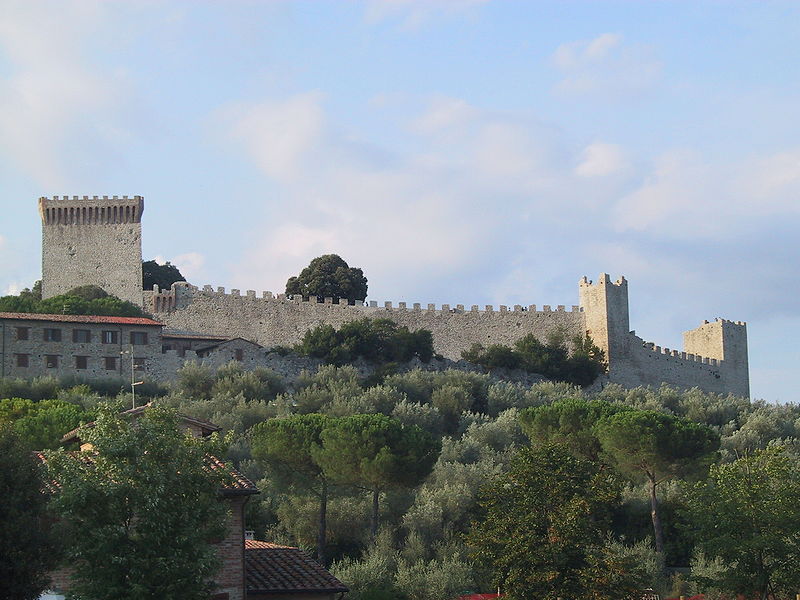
94 241
275 320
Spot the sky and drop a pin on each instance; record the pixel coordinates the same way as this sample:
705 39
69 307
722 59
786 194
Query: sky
458 151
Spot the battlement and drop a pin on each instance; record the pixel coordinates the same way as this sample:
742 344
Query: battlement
166 300
91 210
652 348
604 279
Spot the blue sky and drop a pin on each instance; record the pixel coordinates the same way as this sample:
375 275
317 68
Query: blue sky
461 151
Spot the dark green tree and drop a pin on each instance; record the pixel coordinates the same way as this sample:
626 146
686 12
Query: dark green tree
377 453
161 275
655 447
85 300
288 448
543 529
747 514
569 422
27 547
377 341
329 276
40 425
141 508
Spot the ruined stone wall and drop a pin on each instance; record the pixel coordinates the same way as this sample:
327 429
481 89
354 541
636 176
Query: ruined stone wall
276 320
95 241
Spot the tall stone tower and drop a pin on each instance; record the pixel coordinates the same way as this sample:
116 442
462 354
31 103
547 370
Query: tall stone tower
92 240
605 306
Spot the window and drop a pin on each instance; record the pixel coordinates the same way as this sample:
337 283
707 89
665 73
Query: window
81 336
239 354
138 338
110 337
22 360
23 333
52 335
51 361
111 363
138 364
81 362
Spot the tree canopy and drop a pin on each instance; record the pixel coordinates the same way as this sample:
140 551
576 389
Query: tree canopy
141 509
543 529
82 300
329 276
374 340
161 275
27 547
748 515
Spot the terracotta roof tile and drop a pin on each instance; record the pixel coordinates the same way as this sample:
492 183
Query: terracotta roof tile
81 319
271 568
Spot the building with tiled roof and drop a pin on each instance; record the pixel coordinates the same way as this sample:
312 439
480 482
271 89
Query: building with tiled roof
276 572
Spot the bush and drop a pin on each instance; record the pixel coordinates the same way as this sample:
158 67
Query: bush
378 341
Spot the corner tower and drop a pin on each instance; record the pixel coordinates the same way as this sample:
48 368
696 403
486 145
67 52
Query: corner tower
92 241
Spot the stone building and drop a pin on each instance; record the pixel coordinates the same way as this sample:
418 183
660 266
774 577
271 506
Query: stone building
714 357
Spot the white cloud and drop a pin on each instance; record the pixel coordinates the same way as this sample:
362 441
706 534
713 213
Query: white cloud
605 67
279 134
444 113
52 96
600 159
413 14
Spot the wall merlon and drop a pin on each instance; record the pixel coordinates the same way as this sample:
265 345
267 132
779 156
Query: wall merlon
235 292
251 293
220 290
417 306
546 308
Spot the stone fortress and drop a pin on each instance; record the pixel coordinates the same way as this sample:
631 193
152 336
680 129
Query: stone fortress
92 240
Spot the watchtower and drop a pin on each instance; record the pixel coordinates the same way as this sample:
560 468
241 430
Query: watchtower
92 241
605 306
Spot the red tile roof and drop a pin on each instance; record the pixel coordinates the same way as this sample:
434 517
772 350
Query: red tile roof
81 319
271 568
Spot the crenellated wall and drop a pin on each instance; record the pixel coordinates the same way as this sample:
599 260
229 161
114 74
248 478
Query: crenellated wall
272 320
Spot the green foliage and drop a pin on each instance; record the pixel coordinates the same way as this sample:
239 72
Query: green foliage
543 530
551 359
85 300
143 499
749 518
379 341
569 422
329 276
28 546
40 425
197 381
377 453
161 275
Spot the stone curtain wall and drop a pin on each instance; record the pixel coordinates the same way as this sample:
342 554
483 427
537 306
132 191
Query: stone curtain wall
275 320
91 240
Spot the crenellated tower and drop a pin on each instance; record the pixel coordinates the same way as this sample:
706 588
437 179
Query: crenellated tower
605 306
92 240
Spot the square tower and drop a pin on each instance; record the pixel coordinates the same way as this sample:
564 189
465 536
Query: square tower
92 241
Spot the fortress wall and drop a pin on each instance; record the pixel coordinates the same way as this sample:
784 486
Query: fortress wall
648 364
276 320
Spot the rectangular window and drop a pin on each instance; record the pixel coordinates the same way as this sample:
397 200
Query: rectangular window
239 354
81 336
138 338
22 360
23 333
138 364
51 361
52 335
111 363
110 337
81 362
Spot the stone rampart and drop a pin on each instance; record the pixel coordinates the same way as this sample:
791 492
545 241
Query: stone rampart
272 320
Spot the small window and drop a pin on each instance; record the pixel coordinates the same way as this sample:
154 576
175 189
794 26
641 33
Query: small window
110 337
81 362
22 360
239 354
52 335
23 333
81 336
138 338
138 364
51 361
111 363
